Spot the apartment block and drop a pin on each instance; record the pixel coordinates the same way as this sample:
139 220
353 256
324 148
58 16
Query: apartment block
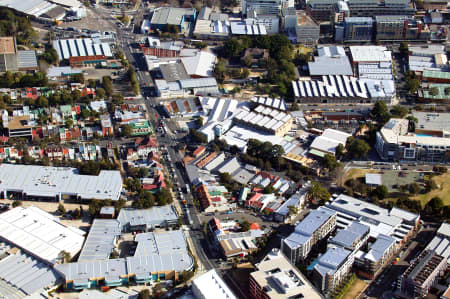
422 274
393 143
331 269
396 28
276 277
316 226
369 263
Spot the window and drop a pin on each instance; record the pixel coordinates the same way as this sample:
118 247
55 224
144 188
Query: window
409 153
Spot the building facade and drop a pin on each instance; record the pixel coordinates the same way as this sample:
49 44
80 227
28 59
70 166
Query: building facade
316 226
422 274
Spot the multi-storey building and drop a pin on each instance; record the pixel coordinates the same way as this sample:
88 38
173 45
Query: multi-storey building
261 7
371 8
352 238
324 9
369 263
355 29
331 269
316 226
307 30
276 277
393 142
400 28
422 274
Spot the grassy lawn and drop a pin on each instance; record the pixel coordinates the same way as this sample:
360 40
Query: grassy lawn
356 288
443 192
357 173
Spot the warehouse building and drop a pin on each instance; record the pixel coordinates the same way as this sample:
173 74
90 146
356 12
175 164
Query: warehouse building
14 60
54 183
265 119
343 89
132 220
164 16
187 88
101 240
331 61
39 234
158 256
328 142
81 47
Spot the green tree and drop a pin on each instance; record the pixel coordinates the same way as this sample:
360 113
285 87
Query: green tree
447 91
231 48
381 192
317 192
248 61
100 93
16 203
399 111
430 185
413 188
69 122
329 162
435 204
61 209
412 123
380 112
404 49
185 276
359 148
144 294
244 226
340 151
127 131
50 56
107 85
293 210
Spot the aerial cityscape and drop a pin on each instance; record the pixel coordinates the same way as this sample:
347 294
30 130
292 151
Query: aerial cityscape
206 149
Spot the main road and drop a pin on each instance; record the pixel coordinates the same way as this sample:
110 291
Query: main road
125 40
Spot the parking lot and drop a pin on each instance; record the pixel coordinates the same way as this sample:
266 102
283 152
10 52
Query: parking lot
93 21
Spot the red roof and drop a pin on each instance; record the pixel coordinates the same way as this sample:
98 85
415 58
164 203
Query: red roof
199 150
254 225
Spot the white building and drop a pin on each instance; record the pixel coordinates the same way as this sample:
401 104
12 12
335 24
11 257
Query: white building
32 181
210 286
39 234
328 142
187 88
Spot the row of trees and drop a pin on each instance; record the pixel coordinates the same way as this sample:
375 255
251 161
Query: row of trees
131 73
22 80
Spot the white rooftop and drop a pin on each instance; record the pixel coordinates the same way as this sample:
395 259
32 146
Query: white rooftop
210 286
39 233
370 53
46 181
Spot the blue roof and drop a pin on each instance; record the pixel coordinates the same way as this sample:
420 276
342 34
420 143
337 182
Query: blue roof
331 261
347 236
